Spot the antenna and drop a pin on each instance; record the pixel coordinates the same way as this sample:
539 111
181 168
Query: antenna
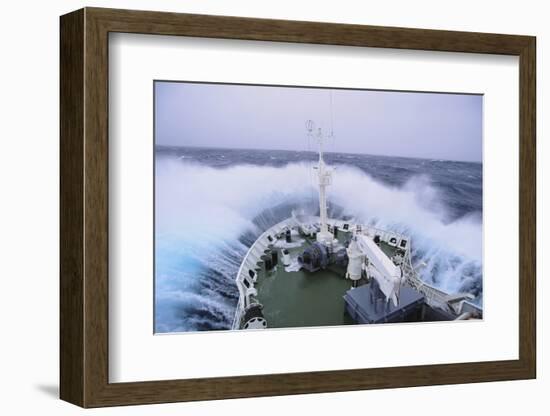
318 134
310 126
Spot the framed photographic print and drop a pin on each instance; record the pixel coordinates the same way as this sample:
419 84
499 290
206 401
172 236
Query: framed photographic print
255 207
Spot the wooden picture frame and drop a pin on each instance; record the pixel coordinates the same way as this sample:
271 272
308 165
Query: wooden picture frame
84 207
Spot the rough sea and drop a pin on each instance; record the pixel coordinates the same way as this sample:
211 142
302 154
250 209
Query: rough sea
211 205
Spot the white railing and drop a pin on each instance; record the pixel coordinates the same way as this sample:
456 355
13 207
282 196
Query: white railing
434 297
250 262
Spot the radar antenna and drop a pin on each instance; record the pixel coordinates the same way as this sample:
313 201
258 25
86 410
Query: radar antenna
310 126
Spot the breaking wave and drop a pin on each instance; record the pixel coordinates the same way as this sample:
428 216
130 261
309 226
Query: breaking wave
206 218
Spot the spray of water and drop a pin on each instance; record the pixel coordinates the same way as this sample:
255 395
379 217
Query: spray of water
206 218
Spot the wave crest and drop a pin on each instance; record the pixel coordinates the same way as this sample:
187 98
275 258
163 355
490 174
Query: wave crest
206 218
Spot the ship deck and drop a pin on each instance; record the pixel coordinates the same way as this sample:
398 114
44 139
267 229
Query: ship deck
304 299
298 298
290 296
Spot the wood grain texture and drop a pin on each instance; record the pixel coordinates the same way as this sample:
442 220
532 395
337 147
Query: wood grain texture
71 100
527 208
96 208
84 207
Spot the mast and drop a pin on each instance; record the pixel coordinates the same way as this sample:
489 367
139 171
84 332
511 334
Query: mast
324 177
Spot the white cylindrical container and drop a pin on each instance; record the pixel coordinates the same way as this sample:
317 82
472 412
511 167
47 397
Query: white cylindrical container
355 261
286 257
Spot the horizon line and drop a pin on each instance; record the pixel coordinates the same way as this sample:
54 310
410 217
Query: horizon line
313 151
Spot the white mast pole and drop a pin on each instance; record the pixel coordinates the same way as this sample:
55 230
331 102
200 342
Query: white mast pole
324 181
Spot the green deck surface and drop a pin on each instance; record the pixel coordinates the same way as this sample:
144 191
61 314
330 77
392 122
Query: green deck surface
299 299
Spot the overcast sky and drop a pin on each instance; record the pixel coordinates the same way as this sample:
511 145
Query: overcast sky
435 126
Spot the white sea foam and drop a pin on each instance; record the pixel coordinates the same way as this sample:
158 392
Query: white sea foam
201 212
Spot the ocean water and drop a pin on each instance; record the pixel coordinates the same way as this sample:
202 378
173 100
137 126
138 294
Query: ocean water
211 205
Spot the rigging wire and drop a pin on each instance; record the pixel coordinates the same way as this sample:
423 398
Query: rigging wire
331 117
310 169
333 140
